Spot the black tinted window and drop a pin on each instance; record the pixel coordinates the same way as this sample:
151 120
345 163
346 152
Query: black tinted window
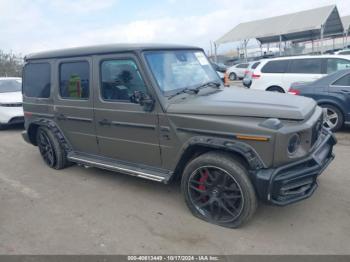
255 65
120 79
242 66
343 81
278 66
74 80
37 80
305 66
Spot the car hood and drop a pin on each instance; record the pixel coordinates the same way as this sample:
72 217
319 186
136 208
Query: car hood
242 102
10 97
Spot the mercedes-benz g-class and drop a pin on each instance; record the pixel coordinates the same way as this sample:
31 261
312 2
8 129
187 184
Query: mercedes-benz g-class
161 112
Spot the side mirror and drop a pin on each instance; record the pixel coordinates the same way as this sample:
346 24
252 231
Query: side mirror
144 100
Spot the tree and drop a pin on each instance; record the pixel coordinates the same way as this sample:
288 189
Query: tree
10 64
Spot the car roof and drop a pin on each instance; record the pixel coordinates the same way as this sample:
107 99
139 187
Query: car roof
308 56
104 49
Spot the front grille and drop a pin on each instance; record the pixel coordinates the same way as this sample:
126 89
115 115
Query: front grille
12 105
316 130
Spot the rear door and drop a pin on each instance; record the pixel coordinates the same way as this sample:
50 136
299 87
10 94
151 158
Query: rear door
73 105
302 70
125 131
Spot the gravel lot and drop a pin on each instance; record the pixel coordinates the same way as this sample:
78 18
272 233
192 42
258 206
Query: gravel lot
91 211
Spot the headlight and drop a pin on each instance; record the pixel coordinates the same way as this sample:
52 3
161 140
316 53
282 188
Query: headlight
293 144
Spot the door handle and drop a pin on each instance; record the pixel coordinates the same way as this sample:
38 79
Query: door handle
105 122
345 91
61 117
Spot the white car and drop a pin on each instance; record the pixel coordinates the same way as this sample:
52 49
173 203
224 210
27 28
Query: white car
237 71
11 109
343 52
278 74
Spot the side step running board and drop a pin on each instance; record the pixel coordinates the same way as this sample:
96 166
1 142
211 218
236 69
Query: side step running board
112 165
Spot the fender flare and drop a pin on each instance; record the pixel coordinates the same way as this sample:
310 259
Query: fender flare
244 150
52 126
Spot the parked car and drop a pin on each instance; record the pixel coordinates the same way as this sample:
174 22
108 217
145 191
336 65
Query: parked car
160 112
11 111
343 52
278 74
219 67
237 71
247 79
331 92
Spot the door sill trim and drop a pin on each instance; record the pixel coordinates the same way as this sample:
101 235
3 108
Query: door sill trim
115 166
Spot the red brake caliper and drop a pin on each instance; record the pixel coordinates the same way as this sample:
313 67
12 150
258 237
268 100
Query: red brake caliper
202 179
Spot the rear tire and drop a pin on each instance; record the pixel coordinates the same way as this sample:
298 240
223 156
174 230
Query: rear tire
50 149
217 189
232 76
334 119
275 89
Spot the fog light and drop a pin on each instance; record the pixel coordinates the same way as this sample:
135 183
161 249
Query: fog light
293 143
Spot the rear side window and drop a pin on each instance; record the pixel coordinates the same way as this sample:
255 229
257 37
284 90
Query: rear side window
242 66
305 66
37 80
343 81
255 65
278 66
74 80
335 64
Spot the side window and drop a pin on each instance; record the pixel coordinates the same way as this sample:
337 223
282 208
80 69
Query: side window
305 66
37 80
255 65
242 66
343 81
335 64
74 80
278 66
120 79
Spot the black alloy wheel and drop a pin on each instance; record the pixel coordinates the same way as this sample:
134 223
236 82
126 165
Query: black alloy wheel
46 148
215 194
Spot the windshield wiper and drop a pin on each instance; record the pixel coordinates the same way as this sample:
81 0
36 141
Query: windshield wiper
196 90
186 90
208 84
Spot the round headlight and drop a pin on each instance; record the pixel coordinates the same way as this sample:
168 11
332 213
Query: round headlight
293 143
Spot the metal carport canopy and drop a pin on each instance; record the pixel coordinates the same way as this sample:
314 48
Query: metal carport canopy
304 25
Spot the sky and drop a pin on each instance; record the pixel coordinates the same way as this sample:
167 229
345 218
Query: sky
28 26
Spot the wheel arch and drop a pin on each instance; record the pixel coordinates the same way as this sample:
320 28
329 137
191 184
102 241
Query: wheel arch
52 126
197 146
332 103
277 86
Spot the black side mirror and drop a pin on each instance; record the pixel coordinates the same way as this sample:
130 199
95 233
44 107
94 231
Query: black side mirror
144 100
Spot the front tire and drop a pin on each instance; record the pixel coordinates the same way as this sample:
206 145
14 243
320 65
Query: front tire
50 149
217 189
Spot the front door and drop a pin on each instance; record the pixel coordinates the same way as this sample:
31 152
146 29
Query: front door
125 131
73 107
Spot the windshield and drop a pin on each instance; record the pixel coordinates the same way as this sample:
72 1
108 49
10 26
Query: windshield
180 69
12 85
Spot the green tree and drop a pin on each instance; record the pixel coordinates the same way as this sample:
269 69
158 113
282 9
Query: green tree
10 64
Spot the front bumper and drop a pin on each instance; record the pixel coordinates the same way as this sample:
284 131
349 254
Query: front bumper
298 180
11 115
